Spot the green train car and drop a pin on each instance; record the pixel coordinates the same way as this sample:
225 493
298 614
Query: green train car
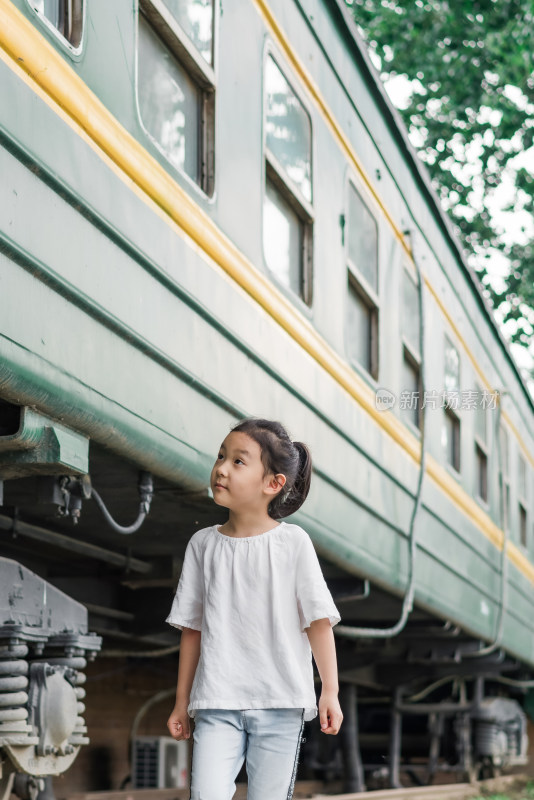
209 209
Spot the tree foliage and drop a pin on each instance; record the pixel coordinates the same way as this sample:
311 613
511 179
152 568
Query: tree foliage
471 67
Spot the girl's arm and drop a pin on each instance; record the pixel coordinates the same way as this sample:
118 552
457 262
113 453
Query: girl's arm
178 722
321 638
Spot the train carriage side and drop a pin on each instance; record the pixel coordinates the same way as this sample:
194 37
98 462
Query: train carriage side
257 254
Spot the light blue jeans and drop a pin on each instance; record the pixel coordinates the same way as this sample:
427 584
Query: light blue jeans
269 739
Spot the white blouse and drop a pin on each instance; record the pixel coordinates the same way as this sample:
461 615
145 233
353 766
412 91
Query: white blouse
252 597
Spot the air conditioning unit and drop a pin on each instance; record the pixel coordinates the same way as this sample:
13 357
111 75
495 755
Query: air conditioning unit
160 762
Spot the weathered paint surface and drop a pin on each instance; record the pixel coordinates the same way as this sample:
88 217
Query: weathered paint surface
131 335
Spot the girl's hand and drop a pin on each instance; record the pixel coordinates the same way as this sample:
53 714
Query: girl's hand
178 722
330 714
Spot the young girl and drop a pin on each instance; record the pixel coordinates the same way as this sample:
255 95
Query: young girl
252 605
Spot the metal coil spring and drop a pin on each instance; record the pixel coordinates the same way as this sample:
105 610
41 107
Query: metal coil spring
14 668
74 662
13 683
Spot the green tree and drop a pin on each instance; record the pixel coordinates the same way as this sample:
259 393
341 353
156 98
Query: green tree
470 113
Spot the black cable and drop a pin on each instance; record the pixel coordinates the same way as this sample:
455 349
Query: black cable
146 492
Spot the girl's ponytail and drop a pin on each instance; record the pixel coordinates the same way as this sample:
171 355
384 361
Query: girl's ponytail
286 503
301 486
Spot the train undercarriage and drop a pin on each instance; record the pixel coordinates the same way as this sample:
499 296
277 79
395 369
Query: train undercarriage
420 705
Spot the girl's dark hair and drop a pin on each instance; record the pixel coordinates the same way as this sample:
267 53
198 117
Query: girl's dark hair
280 454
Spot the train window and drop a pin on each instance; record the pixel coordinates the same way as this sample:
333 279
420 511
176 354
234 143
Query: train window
522 524
522 493
481 448
410 312
450 434
362 238
450 438
169 102
287 130
481 421
452 367
411 384
196 19
65 16
481 473
176 84
362 327
283 238
504 487
411 362
287 210
362 298
505 458
522 477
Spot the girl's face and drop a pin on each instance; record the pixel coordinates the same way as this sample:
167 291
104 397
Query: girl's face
237 478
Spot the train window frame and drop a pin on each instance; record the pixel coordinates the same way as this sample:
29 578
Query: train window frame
522 502
448 410
481 450
273 173
456 467
481 475
410 355
357 282
356 288
414 364
362 279
504 490
74 51
413 347
523 526
452 346
202 75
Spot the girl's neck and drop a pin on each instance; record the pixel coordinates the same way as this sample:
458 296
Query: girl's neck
247 524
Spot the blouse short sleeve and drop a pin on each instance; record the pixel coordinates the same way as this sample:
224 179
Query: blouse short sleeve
187 606
314 600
